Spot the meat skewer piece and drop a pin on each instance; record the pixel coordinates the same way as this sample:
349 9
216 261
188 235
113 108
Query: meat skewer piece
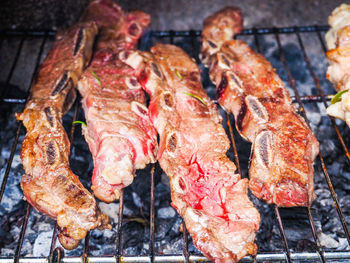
338 44
48 184
284 148
205 188
120 135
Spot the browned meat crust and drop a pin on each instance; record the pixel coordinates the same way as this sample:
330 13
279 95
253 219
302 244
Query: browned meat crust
48 184
284 148
205 188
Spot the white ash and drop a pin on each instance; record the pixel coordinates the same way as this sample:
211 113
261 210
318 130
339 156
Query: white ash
166 212
41 246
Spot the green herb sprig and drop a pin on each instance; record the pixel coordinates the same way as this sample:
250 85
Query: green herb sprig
196 97
337 97
79 122
96 77
178 74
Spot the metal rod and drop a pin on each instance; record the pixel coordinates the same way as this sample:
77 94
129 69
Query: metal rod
316 80
21 236
185 238
235 152
322 42
86 248
151 219
277 212
254 31
305 98
9 162
259 31
262 257
322 96
14 145
53 240
172 34
13 66
319 250
119 228
283 234
303 113
57 255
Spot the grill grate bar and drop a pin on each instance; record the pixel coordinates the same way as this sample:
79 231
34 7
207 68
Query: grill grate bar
13 66
151 217
119 227
276 209
53 242
306 98
21 237
57 254
14 145
185 238
253 31
86 248
319 248
303 113
233 144
283 234
320 91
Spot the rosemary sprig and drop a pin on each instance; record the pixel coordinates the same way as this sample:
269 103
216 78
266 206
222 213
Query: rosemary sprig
79 122
337 97
196 97
178 74
96 77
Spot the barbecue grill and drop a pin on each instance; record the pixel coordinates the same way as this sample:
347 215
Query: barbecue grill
259 39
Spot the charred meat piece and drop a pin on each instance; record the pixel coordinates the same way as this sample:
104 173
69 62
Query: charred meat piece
338 43
284 147
120 135
48 184
205 188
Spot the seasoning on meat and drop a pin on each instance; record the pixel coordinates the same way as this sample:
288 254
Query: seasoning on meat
284 148
48 183
205 188
120 135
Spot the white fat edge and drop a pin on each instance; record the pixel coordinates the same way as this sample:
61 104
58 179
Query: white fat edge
134 60
120 171
335 110
201 219
340 18
345 101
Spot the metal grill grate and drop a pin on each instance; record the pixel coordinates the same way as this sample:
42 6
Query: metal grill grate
56 253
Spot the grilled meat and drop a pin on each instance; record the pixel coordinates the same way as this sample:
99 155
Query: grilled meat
338 43
205 188
120 135
48 184
284 148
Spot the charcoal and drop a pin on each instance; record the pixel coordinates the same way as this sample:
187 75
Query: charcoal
168 236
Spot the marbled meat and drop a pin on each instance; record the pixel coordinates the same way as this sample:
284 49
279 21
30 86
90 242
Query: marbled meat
119 133
206 190
284 148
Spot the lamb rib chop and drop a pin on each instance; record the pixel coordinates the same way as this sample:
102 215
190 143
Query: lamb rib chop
338 44
120 135
205 188
48 183
284 147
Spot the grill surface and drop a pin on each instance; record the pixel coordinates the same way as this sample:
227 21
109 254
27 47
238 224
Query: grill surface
192 37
